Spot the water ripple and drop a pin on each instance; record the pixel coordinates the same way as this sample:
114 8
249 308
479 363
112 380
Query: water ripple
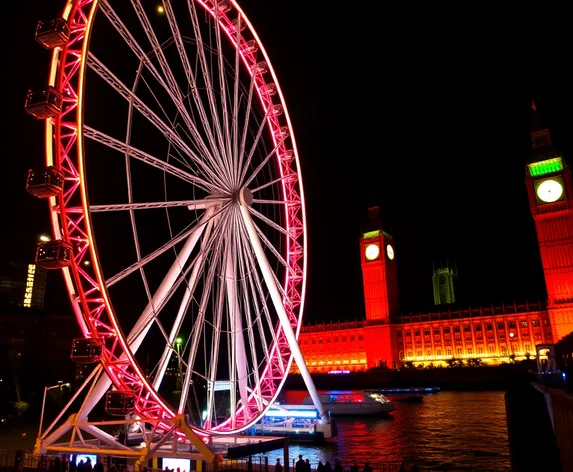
465 429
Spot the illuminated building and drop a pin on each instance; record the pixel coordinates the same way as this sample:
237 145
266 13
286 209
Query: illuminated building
443 279
493 334
22 285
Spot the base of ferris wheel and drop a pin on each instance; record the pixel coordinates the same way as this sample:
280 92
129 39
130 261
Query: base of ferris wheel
141 438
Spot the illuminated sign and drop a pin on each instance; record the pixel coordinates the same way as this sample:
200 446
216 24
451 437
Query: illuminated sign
337 372
29 285
294 413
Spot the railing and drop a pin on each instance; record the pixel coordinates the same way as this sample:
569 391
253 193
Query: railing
12 461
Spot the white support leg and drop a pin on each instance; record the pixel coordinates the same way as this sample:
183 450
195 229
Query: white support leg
245 201
143 324
166 356
237 327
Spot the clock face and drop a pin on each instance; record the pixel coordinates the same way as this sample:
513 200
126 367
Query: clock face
550 190
390 251
372 251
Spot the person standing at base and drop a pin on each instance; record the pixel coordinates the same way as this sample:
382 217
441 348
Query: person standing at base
278 466
300 465
367 467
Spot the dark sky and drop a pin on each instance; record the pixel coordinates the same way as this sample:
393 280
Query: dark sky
424 113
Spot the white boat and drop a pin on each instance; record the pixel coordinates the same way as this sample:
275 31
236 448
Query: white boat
339 403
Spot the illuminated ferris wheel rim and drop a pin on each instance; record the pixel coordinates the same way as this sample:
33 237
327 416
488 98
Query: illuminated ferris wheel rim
89 295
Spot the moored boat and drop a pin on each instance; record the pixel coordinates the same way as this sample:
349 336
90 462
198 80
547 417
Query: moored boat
342 403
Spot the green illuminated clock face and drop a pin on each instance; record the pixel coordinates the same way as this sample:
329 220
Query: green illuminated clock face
372 251
390 252
550 190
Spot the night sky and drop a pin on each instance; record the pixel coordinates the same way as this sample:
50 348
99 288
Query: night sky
426 114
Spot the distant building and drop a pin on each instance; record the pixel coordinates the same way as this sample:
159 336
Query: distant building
494 334
22 285
444 281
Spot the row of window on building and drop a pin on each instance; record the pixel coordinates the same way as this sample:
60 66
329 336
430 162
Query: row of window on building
335 339
449 352
477 327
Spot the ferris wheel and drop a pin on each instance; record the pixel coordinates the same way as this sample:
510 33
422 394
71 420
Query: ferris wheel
177 208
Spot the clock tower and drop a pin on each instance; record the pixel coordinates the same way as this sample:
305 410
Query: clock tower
550 189
378 257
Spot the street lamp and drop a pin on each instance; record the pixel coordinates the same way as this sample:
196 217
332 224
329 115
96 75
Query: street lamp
178 343
60 385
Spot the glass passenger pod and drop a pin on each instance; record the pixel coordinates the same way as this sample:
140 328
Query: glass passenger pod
53 33
277 110
43 104
54 254
45 183
119 402
270 89
223 6
283 132
234 25
261 68
87 350
250 47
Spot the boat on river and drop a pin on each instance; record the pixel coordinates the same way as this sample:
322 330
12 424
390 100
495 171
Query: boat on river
362 402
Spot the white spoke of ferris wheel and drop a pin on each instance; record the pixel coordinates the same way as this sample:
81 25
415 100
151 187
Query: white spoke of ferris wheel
275 252
245 167
191 204
271 223
132 268
235 140
167 72
257 288
193 82
250 297
239 158
143 324
146 61
148 159
97 66
263 163
235 317
199 324
214 359
207 77
189 289
223 87
120 27
274 202
275 294
286 177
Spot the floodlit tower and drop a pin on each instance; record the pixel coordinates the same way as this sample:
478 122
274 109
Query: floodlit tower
550 190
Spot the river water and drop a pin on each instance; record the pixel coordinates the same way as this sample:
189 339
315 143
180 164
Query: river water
464 430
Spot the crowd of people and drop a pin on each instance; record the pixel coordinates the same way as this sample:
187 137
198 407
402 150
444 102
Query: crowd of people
303 465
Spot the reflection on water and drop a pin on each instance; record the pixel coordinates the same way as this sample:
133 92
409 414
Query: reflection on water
464 429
